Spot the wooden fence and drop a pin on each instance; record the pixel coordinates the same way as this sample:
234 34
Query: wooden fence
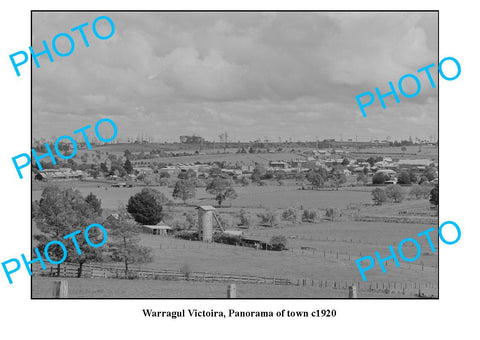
117 272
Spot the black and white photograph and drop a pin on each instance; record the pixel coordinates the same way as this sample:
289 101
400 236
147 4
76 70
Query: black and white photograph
234 154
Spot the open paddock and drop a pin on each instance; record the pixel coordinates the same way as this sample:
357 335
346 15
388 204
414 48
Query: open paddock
270 196
170 253
154 289
354 238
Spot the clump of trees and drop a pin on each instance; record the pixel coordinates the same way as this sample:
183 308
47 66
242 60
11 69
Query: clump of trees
187 175
227 239
407 177
60 212
309 215
222 189
269 218
333 213
247 219
292 215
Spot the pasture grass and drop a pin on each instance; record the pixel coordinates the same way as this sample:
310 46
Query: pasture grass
154 289
252 196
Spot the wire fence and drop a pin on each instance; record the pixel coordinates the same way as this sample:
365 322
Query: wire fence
113 271
302 251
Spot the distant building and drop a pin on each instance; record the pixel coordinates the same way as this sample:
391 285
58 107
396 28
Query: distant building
60 174
279 165
247 168
143 170
160 230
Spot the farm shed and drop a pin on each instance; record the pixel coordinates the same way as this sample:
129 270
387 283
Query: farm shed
233 232
161 230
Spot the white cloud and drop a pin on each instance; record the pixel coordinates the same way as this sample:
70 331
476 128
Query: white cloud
255 74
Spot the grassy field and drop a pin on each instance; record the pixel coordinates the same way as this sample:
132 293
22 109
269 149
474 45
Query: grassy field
151 289
172 253
252 196
412 152
229 158
349 238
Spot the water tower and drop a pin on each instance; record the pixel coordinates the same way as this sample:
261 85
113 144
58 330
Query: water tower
206 214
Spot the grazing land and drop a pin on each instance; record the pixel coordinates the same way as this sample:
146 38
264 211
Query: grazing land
153 289
324 249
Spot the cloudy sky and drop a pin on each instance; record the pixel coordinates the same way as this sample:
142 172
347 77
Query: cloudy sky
253 75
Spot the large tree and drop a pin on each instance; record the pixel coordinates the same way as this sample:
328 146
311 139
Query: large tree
61 212
404 178
379 178
184 190
189 174
258 172
128 166
395 192
146 206
221 189
124 244
269 218
337 177
379 196
95 203
316 179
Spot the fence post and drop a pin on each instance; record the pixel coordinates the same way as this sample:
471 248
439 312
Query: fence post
352 292
60 289
232 291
